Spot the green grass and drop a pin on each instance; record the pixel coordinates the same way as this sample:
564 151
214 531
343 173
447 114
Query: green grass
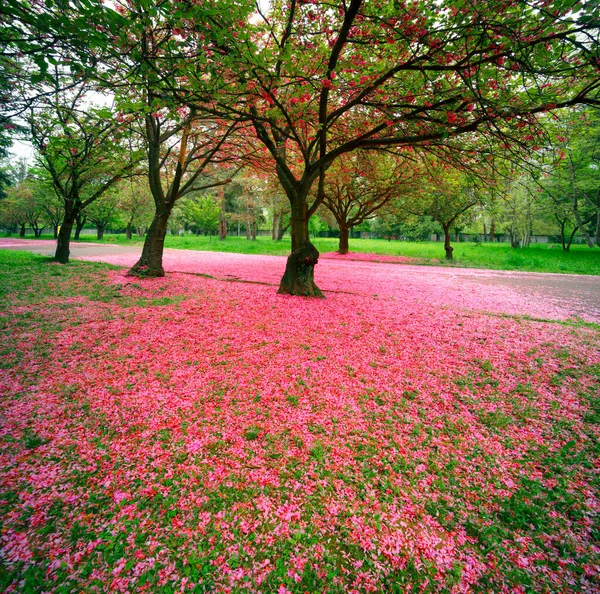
495 256
30 278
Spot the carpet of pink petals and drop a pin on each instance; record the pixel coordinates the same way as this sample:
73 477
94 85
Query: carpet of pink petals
360 257
470 289
236 440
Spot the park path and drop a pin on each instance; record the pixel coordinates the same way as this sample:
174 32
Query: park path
540 295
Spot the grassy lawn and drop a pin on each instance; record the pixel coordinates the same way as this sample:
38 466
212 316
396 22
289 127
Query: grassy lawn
189 434
496 256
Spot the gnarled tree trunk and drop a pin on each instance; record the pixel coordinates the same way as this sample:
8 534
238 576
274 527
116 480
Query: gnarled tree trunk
299 272
150 262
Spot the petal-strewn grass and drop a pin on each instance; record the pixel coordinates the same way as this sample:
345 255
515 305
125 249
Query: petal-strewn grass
191 434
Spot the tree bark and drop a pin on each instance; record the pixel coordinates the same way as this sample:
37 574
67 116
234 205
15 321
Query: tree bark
22 230
100 232
299 272
128 233
299 223
275 225
449 249
343 247
492 232
150 262
64 239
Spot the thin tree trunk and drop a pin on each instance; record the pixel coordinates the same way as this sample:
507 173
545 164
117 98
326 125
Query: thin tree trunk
248 229
100 232
254 230
80 221
571 237
222 217
150 262
597 237
128 233
281 229
343 247
484 232
492 232
581 224
275 226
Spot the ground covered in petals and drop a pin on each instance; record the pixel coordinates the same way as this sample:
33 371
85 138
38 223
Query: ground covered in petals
194 434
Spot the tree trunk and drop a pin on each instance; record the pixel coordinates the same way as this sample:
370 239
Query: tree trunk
248 229
581 224
300 268
449 249
597 236
275 225
299 272
22 230
64 239
484 232
222 217
128 233
100 232
253 230
343 245
150 262
37 231
299 224
281 229
79 224
55 231
568 248
492 232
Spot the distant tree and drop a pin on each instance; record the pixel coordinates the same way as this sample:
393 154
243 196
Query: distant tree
360 184
201 213
446 195
135 204
572 178
104 212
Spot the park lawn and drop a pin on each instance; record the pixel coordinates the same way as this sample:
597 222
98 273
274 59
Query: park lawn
496 256
187 433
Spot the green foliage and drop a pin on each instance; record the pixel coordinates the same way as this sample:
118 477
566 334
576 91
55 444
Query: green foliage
201 213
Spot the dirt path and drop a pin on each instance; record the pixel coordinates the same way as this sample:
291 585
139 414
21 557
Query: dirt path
555 296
